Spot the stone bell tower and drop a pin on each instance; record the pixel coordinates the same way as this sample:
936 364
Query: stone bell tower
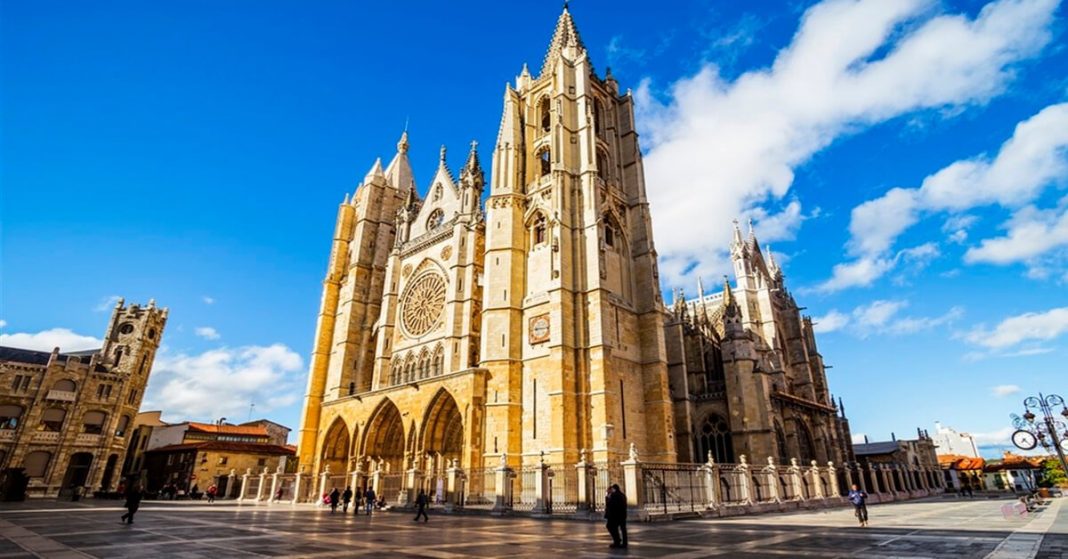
572 333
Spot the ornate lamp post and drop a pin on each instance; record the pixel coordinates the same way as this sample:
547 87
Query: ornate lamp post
1048 430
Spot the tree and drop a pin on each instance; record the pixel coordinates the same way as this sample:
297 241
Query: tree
1053 473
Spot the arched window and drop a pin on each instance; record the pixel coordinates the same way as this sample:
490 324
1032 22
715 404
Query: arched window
424 365
93 422
609 234
437 217
124 422
545 158
598 118
118 354
10 415
36 463
437 192
602 165
52 419
780 441
804 443
539 230
715 436
439 361
65 385
543 110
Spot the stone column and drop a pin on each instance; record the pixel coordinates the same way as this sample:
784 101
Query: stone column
244 484
745 492
260 488
712 482
795 479
504 475
861 481
322 485
376 478
817 483
274 483
453 487
297 481
832 475
772 474
412 481
586 475
357 473
848 469
543 504
632 480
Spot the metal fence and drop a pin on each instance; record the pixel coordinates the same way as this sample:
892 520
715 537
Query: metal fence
481 488
674 487
605 474
250 488
563 489
524 488
390 487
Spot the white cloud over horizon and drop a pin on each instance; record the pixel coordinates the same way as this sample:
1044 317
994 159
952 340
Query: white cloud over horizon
223 382
723 149
207 332
46 340
1003 390
1020 329
107 303
881 317
1034 157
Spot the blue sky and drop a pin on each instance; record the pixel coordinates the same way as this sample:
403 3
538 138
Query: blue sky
906 161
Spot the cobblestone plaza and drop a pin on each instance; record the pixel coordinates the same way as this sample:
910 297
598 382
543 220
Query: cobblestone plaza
937 527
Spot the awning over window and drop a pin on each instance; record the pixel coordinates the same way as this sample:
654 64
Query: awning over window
94 418
36 463
53 414
10 411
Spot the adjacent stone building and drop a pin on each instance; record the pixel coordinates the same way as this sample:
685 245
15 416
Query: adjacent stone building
65 417
219 462
532 329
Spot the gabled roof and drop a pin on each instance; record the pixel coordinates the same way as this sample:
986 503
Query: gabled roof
959 462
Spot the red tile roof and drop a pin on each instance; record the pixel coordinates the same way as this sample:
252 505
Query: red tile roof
228 446
247 430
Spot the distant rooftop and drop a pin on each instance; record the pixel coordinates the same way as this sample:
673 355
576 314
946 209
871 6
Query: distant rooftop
35 357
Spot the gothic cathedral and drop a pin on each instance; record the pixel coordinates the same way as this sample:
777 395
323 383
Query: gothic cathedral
532 328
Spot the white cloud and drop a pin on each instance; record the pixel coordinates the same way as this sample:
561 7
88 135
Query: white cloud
3 323
877 313
1021 328
1003 390
1031 233
208 300
994 438
46 340
1033 158
223 382
858 438
207 332
830 322
721 149
107 303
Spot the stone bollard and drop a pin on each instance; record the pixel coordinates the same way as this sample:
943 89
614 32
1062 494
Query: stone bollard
586 474
795 480
771 472
815 481
323 477
230 479
632 481
832 473
454 477
744 489
262 485
712 482
543 504
412 482
297 479
274 484
244 484
504 476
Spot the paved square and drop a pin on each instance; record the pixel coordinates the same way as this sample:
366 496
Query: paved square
933 528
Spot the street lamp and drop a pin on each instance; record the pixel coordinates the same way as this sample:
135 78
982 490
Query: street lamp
1049 431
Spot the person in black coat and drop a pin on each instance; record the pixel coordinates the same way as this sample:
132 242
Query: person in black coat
333 498
133 502
420 506
615 513
346 498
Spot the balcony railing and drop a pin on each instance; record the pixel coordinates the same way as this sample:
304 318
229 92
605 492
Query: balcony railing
61 395
46 437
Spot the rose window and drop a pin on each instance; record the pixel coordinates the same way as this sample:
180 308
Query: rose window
422 304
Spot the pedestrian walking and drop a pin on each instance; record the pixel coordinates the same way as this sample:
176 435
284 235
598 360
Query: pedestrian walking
859 498
369 496
334 495
357 500
346 498
615 514
212 491
420 506
133 502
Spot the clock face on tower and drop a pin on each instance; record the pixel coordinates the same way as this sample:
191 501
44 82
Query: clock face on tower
539 329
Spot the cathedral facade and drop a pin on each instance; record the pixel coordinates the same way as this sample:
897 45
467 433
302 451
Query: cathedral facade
531 326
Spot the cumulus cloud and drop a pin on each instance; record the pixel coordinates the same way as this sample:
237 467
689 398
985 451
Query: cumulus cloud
45 340
720 149
882 317
1035 157
1003 390
208 300
998 438
107 303
207 332
3 323
1016 330
224 382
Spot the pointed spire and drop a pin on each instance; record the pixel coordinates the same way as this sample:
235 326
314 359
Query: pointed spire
773 266
375 172
399 171
700 289
472 173
728 296
752 234
402 144
443 154
565 35
346 200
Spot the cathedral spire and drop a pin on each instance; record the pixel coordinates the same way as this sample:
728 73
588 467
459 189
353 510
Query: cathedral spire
737 244
728 297
566 35
399 172
375 172
472 173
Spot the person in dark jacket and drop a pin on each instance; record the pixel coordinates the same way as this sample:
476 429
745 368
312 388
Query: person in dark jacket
420 506
859 499
133 502
346 498
333 498
369 496
357 499
615 513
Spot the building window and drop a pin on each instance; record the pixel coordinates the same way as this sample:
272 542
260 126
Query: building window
124 421
93 422
65 385
544 113
261 462
132 397
609 235
715 437
602 165
52 419
103 392
598 118
545 158
223 460
437 192
437 217
10 416
36 463
539 230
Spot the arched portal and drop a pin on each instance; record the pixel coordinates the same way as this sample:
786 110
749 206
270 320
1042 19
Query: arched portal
443 431
336 447
384 437
804 443
77 473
